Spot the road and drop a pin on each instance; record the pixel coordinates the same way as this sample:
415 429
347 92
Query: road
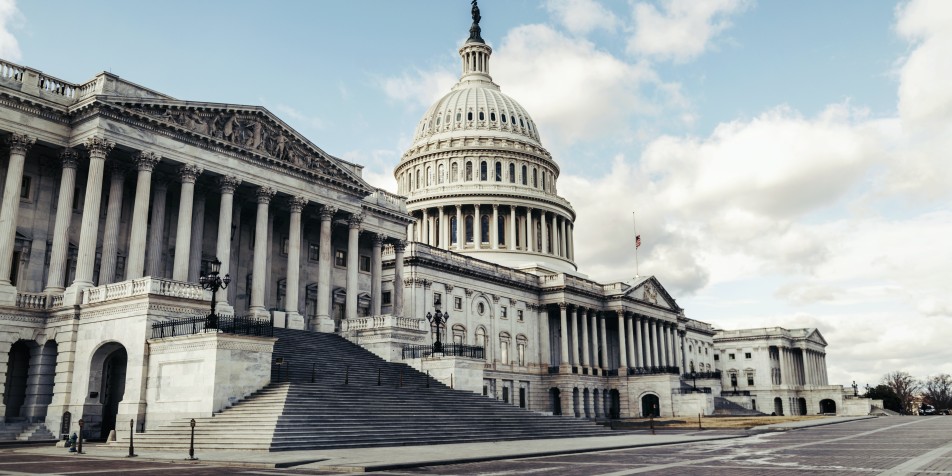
881 446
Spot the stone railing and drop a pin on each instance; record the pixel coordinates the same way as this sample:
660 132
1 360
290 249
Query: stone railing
57 86
425 251
33 300
384 321
490 188
31 78
144 286
11 71
388 200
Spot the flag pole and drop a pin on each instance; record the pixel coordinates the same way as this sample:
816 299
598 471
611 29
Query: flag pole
634 225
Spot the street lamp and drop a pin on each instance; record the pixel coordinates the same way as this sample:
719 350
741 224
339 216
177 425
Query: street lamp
214 282
438 320
694 376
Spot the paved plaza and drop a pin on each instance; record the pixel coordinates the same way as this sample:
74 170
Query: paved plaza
887 446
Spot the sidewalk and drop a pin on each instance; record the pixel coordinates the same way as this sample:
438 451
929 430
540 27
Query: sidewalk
396 457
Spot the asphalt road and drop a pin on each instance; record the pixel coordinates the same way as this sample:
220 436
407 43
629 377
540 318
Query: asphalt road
888 446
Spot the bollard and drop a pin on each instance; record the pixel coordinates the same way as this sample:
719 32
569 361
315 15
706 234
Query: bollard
451 381
346 375
699 422
191 442
378 376
80 450
132 433
312 371
427 379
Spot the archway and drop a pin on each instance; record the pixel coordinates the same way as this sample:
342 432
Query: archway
575 403
827 406
587 404
18 368
555 400
597 404
778 406
615 404
802 406
650 405
107 385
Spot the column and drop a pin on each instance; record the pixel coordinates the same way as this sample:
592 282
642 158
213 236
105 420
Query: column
198 235
19 145
563 241
530 234
98 148
564 332
556 237
460 231
594 323
512 228
494 226
399 247
575 339
583 314
545 233
425 228
183 233
781 352
259 271
353 253
571 243
64 211
376 272
478 227
410 231
110 237
157 230
324 321
622 347
663 344
293 281
630 324
603 341
227 186
653 341
639 338
684 351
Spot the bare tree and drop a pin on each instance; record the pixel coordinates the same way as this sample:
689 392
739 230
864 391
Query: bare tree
905 386
937 391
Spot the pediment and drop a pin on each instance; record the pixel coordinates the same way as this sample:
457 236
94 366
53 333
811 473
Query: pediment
252 129
815 336
650 291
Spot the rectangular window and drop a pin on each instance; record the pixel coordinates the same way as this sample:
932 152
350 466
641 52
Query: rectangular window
385 298
458 303
717 357
340 258
519 315
730 356
750 378
521 350
504 312
285 244
313 252
25 187
364 263
746 355
437 299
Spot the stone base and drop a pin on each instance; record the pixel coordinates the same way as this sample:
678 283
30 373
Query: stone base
73 295
224 309
323 324
294 320
8 295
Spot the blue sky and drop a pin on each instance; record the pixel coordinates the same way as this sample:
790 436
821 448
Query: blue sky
787 161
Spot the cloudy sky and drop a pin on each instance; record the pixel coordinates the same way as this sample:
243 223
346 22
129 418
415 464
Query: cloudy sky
788 162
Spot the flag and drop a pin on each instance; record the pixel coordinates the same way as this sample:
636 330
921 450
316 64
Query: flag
638 242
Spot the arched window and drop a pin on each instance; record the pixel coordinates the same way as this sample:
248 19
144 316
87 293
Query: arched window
501 227
482 171
482 116
512 173
459 117
521 344
543 180
504 348
441 177
484 231
459 334
499 171
453 235
525 175
418 183
481 337
438 119
429 176
492 116
469 228
469 116
504 118
469 171
535 177
454 172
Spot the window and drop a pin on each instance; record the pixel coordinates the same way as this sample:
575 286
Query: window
25 187
481 337
504 348
313 252
469 228
504 118
482 171
543 180
459 117
492 116
481 309
340 258
385 298
469 171
521 343
482 116
519 315
484 224
458 303
746 355
730 356
438 119
499 171
501 230
469 116
525 175
453 233
535 178
418 179
442 174
285 243
512 173
364 263
750 378
503 312
77 199
717 357
429 176
459 334
733 379
454 172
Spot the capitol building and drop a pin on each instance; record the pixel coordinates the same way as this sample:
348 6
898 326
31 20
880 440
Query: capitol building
117 199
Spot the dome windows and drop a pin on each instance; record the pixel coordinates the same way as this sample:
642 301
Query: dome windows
469 171
459 116
482 116
504 118
492 116
454 172
525 175
499 171
483 172
512 173
521 124
438 118
469 116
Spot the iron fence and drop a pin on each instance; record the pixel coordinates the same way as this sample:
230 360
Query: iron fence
240 325
715 374
653 370
454 350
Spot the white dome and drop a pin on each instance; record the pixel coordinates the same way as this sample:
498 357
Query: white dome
477 106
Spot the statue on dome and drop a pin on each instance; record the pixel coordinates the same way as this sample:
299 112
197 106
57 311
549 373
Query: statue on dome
475 31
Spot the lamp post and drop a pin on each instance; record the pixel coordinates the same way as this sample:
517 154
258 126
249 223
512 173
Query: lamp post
214 282
855 389
438 320
694 376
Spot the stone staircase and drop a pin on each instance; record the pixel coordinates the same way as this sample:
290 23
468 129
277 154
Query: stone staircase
725 407
344 407
25 431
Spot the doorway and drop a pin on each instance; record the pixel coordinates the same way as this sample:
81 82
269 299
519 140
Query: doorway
650 406
555 400
18 368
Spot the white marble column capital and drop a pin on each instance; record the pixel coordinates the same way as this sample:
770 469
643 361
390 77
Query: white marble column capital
264 195
145 160
354 221
20 143
297 203
189 173
378 239
327 212
228 183
98 147
69 158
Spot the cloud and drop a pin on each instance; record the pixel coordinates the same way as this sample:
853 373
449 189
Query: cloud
419 87
681 29
582 16
10 17
298 118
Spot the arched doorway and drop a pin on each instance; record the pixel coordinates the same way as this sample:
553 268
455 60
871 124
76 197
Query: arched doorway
18 368
107 385
555 400
587 404
827 406
650 406
598 405
778 406
614 404
802 406
575 403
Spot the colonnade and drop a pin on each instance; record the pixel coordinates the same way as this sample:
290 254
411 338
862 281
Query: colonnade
802 366
460 227
645 344
144 230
